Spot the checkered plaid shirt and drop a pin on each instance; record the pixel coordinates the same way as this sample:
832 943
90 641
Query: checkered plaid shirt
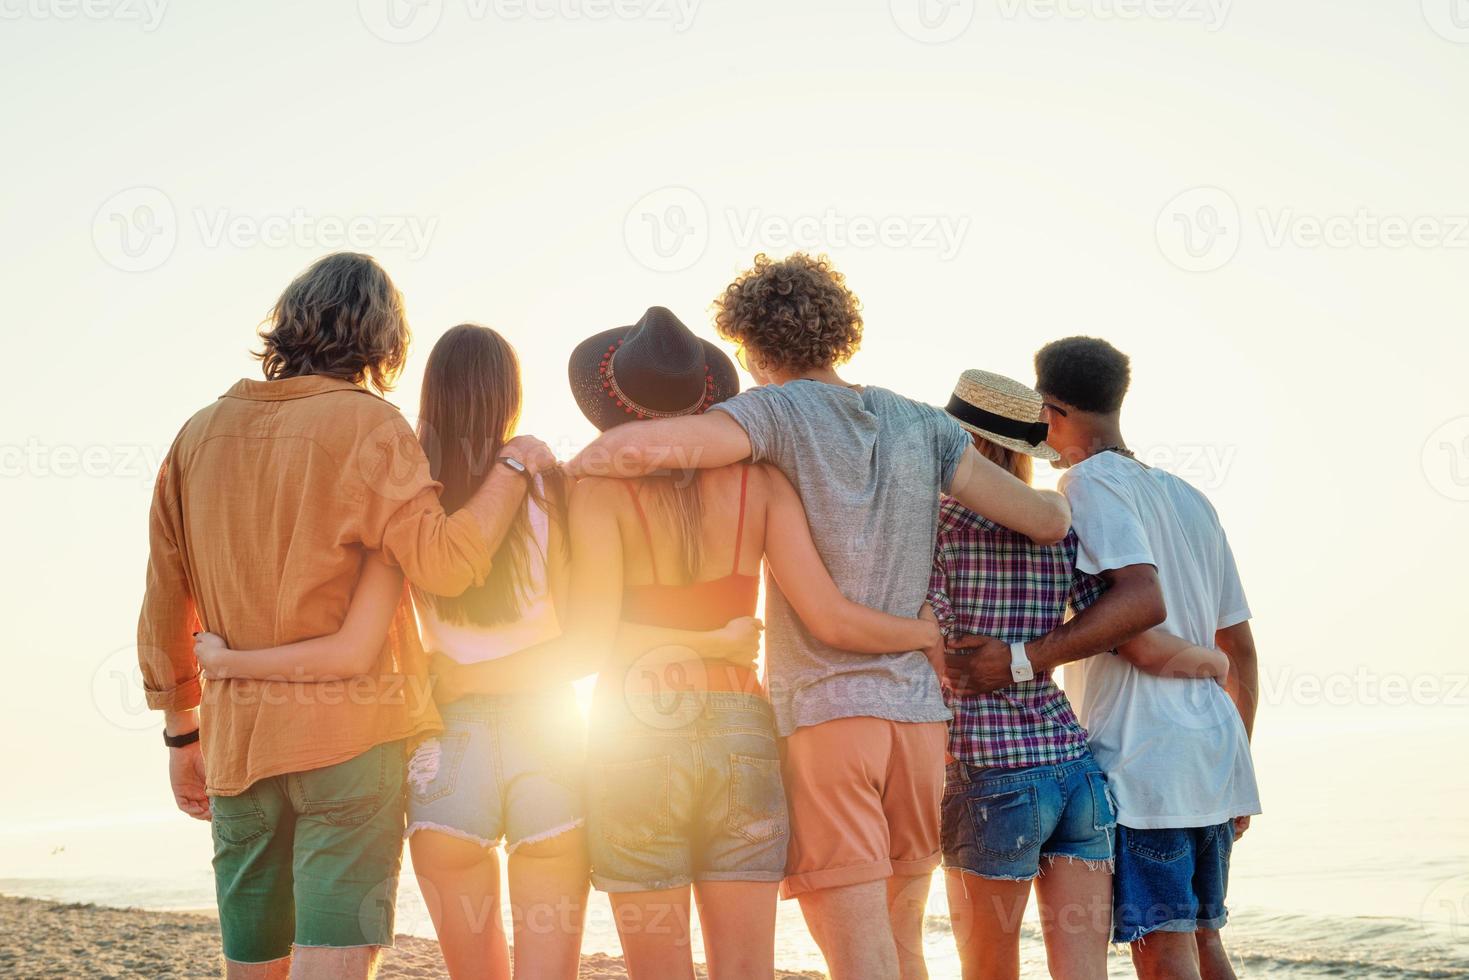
987 579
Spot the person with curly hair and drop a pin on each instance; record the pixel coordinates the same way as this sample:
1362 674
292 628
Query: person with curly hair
863 734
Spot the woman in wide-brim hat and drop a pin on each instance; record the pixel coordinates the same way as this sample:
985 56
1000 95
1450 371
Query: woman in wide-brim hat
685 794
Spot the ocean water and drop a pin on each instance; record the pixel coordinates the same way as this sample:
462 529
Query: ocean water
1359 867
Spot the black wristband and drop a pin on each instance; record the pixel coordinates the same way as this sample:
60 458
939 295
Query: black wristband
179 741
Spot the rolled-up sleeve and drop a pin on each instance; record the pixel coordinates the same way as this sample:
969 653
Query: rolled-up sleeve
168 620
438 552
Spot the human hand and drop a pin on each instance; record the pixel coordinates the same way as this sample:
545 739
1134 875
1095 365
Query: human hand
213 655
1241 824
186 776
447 677
738 641
982 667
531 453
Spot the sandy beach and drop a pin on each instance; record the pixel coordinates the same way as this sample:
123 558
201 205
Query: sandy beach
46 939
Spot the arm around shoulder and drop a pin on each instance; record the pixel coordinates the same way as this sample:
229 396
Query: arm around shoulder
985 488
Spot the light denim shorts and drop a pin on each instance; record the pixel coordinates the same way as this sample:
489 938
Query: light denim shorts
690 797
507 767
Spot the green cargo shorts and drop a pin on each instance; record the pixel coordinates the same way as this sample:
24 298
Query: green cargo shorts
311 858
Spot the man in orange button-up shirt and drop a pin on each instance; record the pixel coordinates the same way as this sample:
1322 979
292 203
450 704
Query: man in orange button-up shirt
266 507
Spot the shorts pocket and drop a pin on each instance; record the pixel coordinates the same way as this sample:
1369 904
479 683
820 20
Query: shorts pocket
1164 846
349 793
1104 807
634 800
433 770
1007 824
237 819
757 805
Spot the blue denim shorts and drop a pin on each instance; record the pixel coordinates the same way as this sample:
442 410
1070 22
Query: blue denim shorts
506 767
1000 823
682 798
1170 880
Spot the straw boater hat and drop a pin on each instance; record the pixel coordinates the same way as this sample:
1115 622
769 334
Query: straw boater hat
1002 410
654 369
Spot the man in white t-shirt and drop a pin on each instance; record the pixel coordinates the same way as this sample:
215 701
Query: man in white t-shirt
1174 744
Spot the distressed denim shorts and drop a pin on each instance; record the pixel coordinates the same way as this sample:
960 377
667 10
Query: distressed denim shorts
506 767
1170 880
687 796
1000 823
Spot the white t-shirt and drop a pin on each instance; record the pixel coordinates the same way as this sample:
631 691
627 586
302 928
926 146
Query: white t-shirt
1174 749
470 643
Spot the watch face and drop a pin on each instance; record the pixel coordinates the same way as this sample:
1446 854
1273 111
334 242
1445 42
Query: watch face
513 463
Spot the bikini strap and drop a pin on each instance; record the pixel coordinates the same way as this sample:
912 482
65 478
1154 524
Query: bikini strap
740 525
632 491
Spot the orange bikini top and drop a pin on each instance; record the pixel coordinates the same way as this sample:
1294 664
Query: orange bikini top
698 605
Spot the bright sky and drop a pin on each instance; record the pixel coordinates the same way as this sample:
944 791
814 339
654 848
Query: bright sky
1263 203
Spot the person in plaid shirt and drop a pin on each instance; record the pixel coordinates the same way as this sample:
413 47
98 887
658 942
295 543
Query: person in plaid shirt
1022 790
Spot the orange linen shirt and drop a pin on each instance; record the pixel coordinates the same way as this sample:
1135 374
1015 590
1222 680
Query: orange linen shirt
266 507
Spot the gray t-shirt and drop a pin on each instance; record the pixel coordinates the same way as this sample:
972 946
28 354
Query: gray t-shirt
869 466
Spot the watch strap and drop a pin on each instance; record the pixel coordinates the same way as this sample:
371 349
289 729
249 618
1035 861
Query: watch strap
179 741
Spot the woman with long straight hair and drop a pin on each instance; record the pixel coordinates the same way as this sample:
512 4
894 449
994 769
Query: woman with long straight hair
508 765
685 799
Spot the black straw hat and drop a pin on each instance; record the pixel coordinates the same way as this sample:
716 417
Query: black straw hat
654 369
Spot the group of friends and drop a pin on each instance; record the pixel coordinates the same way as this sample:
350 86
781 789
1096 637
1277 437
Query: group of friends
359 632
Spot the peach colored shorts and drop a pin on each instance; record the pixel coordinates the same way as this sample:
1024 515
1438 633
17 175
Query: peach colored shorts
864 797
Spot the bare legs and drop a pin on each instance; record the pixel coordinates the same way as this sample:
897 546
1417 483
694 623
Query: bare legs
907 905
274 970
548 889
986 918
548 902
1213 960
460 881
852 927
1076 919
312 963
738 918
654 929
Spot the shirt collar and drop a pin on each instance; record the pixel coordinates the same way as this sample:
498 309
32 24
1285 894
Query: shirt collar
288 388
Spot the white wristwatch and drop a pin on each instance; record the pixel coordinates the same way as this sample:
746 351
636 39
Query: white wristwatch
1020 668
